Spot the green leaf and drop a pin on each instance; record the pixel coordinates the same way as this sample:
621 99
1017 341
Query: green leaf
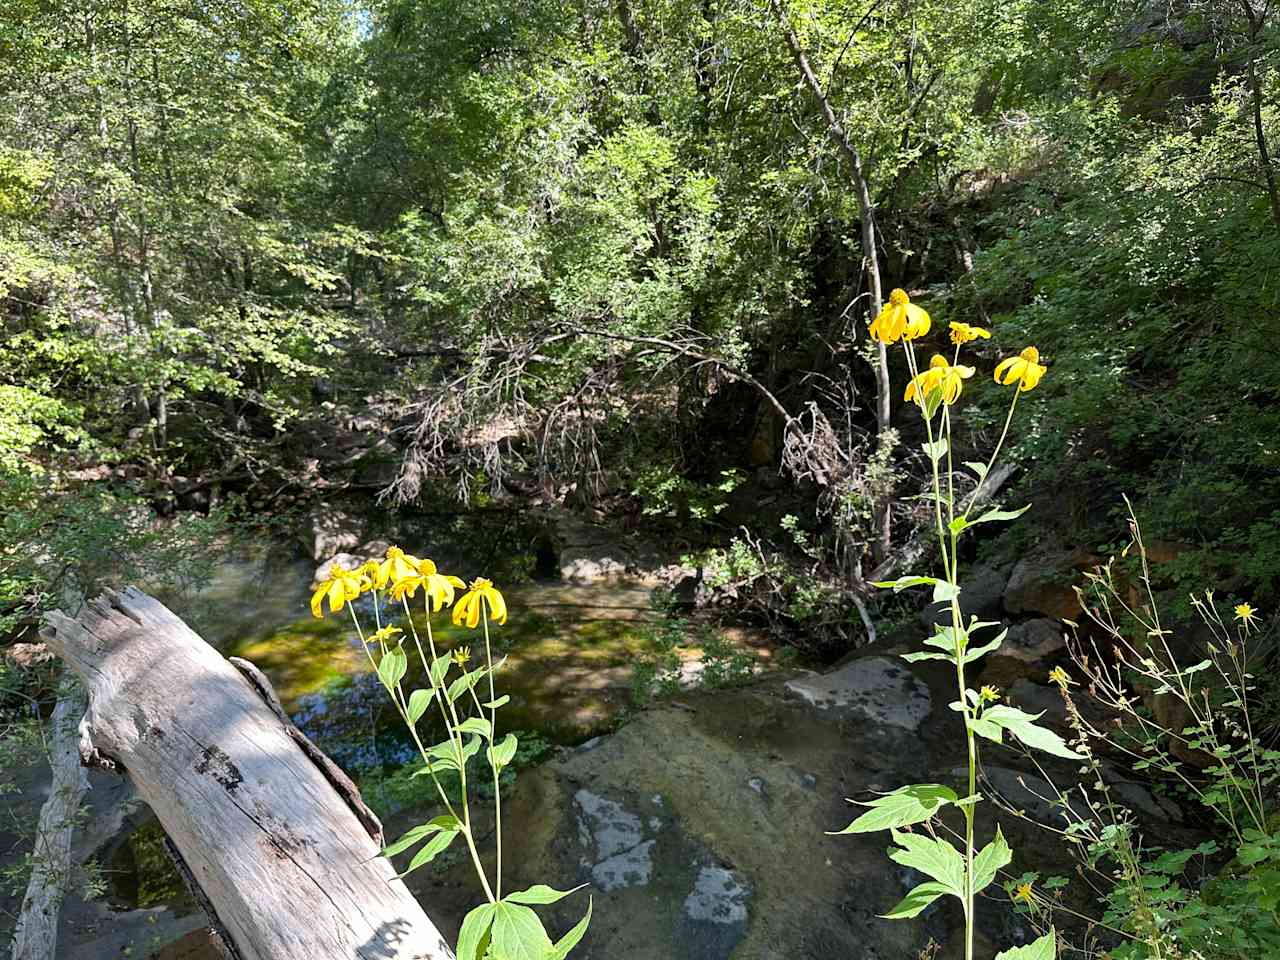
540 893
917 900
433 848
944 592
518 934
419 700
932 402
464 683
926 655
570 939
936 450
474 932
993 515
985 728
1022 726
445 821
959 525
439 668
477 725
502 753
933 857
391 667
902 583
500 702
990 860
976 652
1044 948
979 469
914 803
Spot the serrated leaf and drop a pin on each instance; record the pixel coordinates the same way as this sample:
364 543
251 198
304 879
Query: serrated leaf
932 856
916 901
989 861
1022 726
419 700
1045 948
518 934
503 752
976 652
914 803
540 893
391 667
993 515
433 848
959 525
474 933
570 939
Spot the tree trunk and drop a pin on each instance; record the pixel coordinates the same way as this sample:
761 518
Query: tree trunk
37 934
284 854
870 256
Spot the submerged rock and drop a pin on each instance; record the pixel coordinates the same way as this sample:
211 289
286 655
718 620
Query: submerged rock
877 688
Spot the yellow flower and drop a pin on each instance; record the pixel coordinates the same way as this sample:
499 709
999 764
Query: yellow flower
989 694
1059 676
963 333
1023 894
900 319
940 375
1025 369
395 568
1246 614
340 586
481 593
438 586
461 656
385 635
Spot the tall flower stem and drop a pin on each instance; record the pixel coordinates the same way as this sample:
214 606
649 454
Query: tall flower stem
493 733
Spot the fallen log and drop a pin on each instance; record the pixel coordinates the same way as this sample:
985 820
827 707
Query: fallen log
286 867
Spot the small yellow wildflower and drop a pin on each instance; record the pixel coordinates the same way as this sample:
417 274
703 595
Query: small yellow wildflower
941 375
395 568
461 656
900 319
438 586
989 694
1246 614
963 333
1025 369
481 593
1061 678
385 635
1023 894
339 587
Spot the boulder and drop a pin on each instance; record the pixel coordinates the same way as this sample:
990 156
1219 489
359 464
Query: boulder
331 532
1034 640
590 552
1042 583
877 688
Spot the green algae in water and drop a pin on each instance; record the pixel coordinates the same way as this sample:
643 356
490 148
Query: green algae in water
142 873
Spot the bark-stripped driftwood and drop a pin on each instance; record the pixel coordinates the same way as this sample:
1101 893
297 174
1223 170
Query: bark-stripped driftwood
36 937
290 871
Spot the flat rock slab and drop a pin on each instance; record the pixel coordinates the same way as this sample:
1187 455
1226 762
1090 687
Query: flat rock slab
876 688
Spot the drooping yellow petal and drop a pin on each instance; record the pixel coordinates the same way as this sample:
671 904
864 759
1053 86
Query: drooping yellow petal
473 611
497 605
317 599
1005 367
917 321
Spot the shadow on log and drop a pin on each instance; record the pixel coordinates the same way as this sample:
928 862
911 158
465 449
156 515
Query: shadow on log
272 835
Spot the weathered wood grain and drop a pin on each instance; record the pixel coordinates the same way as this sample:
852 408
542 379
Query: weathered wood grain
290 870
